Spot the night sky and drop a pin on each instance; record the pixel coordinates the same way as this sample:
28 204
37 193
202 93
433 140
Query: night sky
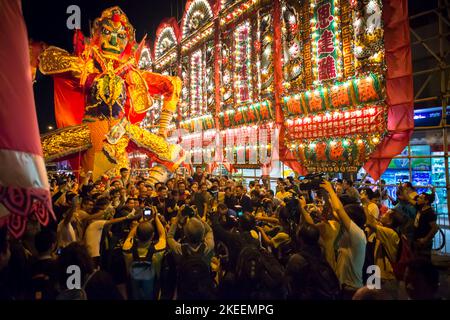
46 21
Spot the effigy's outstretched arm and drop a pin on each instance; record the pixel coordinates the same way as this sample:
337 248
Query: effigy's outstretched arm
170 88
55 61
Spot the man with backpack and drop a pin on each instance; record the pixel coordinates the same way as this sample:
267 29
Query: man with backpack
391 250
308 274
193 258
233 242
144 250
251 272
94 231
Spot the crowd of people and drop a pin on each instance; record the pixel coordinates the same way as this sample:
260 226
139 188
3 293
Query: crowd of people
212 237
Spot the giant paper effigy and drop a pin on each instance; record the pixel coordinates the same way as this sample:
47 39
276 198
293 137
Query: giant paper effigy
101 95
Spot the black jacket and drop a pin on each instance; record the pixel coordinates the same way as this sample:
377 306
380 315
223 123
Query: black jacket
233 240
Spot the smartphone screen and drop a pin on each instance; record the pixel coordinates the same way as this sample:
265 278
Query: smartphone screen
147 212
239 211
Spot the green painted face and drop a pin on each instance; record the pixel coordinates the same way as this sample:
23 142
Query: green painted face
113 37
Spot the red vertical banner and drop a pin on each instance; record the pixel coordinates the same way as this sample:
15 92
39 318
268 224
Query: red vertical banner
243 75
217 87
326 52
306 37
347 36
277 61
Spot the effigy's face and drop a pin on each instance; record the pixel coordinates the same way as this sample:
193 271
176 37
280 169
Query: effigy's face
113 37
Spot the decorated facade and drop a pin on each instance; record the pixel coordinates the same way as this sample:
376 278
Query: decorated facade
311 74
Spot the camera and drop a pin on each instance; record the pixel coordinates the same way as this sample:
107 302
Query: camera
312 181
188 211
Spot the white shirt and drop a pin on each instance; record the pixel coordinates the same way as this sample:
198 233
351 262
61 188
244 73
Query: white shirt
93 236
373 210
351 255
65 234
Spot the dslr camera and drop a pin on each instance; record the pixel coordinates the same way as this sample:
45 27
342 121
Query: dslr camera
312 181
188 211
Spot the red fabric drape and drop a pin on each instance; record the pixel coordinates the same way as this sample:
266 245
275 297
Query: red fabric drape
78 42
24 189
291 161
399 87
69 102
18 129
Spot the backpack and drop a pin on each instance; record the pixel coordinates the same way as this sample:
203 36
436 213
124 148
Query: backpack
194 275
222 252
404 255
167 281
369 259
284 252
321 282
76 294
259 275
142 275
43 287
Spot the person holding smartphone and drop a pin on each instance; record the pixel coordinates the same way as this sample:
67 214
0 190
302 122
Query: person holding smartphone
352 246
147 214
146 240
93 234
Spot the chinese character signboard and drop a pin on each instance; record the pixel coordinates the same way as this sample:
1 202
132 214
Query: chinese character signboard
326 48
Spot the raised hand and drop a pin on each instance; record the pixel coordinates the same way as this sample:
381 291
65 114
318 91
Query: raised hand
326 185
302 202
